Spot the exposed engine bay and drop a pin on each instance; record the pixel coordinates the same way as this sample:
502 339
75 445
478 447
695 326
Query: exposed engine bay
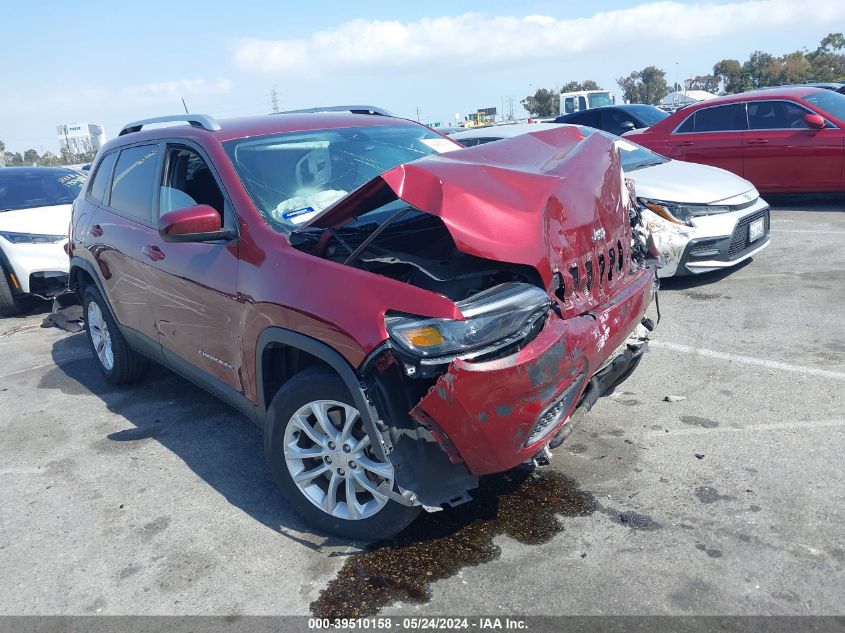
403 243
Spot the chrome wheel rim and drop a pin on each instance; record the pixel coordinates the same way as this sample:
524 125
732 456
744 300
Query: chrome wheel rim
98 330
329 456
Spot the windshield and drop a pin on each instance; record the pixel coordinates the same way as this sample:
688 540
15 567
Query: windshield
633 156
27 189
829 101
293 177
649 114
600 100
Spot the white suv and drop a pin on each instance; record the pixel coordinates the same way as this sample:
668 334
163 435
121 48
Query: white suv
35 204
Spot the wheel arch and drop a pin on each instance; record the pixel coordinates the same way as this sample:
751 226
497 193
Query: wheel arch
82 273
277 343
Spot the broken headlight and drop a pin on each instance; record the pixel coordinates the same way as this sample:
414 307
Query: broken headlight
681 213
494 318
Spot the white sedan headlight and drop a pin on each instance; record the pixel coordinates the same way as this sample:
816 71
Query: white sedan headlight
31 238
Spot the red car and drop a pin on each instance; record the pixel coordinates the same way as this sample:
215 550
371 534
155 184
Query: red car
782 140
399 318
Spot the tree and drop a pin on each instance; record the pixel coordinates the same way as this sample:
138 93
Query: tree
644 86
709 83
755 68
49 159
542 103
575 86
731 76
2 154
828 60
30 157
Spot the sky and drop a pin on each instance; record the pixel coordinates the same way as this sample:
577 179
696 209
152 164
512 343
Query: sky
113 62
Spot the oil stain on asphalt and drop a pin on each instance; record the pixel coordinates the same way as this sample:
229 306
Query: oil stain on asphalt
522 504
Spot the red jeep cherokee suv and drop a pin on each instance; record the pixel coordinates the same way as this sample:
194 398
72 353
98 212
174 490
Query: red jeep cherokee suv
400 315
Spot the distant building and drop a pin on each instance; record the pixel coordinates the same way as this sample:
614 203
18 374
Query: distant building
685 98
80 138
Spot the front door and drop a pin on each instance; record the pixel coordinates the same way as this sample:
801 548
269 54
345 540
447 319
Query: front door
194 284
782 152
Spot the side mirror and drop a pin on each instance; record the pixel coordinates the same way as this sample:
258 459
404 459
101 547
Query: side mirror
815 121
199 223
627 125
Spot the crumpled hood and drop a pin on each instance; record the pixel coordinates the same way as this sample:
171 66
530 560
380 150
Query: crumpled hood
52 220
691 183
545 199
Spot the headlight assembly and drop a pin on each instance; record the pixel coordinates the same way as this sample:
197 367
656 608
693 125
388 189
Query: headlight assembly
681 213
31 238
494 319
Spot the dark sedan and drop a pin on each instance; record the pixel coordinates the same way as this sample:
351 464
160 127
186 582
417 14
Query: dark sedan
616 119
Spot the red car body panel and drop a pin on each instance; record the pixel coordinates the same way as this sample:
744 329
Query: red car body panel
777 160
487 409
553 200
537 199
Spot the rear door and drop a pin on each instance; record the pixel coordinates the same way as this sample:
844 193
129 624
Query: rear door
194 284
120 228
782 152
712 136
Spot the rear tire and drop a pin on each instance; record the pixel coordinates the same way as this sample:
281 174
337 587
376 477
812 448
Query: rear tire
118 362
298 445
10 303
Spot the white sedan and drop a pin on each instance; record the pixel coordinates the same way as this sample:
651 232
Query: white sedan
702 218
35 205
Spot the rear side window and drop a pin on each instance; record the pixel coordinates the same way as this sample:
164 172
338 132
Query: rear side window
687 126
726 118
135 181
776 115
100 181
587 117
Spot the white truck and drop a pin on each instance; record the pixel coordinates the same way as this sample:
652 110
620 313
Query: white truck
584 100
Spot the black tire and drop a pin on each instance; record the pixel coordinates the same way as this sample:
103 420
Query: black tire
10 303
307 386
128 365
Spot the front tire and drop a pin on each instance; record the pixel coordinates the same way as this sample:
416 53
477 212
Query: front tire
322 460
10 303
118 362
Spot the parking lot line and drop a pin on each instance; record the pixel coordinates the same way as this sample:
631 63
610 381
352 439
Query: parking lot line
69 359
769 426
749 360
807 231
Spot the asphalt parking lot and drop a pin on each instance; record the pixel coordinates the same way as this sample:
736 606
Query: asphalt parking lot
156 499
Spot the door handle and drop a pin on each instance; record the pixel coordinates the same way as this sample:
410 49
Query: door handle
758 141
153 252
686 143
96 230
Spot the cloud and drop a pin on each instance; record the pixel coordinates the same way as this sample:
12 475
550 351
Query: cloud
473 39
179 88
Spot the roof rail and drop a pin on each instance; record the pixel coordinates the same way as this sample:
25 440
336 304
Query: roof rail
197 120
354 109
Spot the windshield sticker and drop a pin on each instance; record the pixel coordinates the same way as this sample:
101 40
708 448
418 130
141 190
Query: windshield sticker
290 215
440 145
302 208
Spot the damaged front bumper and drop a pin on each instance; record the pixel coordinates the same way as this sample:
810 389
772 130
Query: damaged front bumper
494 415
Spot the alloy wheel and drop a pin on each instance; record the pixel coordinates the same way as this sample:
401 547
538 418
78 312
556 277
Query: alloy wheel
330 458
98 330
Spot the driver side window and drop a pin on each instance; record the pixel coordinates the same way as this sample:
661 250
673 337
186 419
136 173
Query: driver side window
776 115
188 181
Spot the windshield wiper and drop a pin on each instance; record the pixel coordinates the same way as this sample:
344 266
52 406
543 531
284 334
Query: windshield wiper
375 234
